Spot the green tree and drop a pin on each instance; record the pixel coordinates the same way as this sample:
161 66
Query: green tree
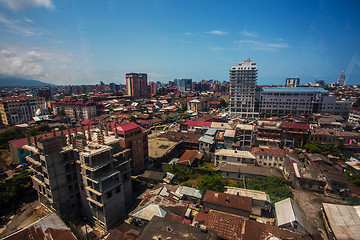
184 107
8 135
223 103
132 118
213 182
276 187
61 113
12 190
181 174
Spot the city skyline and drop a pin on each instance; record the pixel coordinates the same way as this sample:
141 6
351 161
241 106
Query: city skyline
80 42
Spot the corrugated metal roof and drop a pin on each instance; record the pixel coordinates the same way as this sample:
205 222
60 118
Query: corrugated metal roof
344 220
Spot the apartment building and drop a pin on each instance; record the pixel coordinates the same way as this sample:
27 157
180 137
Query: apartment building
135 139
354 116
281 101
198 105
242 89
16 110
82 173
269 157
136 85
244 136
292 82
75 110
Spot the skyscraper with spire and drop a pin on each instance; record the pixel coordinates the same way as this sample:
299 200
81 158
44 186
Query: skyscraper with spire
341 81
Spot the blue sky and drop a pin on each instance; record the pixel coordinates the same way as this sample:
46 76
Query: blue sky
84 42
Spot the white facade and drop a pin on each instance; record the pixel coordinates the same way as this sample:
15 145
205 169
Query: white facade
234 157
328 104
242 89
280 101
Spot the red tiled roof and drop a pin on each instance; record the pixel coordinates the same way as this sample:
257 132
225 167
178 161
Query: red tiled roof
233 227
227 226
201 217
88 122
228 200
214 102
72 102
189 157
295 125
129 127
197 123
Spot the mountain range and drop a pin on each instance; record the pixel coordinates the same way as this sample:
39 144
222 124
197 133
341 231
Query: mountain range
8 81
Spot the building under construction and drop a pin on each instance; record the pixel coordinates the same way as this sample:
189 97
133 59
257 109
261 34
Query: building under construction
82 171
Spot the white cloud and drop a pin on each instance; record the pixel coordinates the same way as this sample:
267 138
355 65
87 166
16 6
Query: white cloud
27 4
28 20
248 34
34 63
188 33
260 45
20 26
26 64
217 32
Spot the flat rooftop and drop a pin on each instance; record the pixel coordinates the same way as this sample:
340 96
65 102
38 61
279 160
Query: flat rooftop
292 89
159 146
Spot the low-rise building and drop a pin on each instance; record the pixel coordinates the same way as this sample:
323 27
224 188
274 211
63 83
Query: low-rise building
198 105
341 222
238 205
330 136
241 171
290 216
190 158
269 132
234 157
305 176
75 110
268 157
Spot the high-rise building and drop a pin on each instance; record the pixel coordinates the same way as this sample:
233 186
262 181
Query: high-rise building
292 82
136 85
242 89
184 85
341 80
153 87
82 173
135 139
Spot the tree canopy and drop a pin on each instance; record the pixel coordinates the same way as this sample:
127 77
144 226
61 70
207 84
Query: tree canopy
213 182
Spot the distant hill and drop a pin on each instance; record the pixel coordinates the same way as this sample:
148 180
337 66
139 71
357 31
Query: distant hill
6 81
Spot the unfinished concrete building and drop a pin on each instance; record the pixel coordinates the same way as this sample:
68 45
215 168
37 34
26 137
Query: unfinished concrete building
82 172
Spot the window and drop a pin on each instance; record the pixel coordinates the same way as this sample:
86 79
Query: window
109 195
117 189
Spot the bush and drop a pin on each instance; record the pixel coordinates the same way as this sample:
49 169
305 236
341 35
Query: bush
213 182
9 135
12 190
276 187
181 174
